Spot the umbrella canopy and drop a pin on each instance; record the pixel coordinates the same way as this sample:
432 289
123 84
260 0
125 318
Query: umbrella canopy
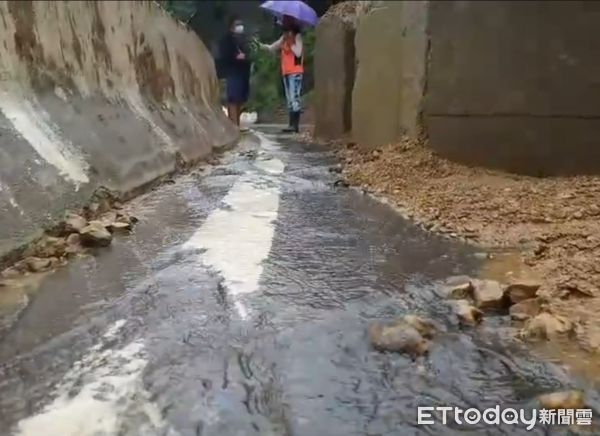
294 8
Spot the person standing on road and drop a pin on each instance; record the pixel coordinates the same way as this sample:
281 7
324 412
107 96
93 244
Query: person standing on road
292 68
235 58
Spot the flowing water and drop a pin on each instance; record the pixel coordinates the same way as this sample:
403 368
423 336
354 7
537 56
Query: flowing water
239 306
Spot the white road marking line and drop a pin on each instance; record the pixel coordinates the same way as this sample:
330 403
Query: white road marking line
97 393
238 239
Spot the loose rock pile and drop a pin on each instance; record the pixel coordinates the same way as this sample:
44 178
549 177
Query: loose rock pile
552 221
412 335
91 227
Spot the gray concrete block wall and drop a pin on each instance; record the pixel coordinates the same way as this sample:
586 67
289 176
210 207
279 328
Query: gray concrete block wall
96 94
334 62
514 85
391 45
511 85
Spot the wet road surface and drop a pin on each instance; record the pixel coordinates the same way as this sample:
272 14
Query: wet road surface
239 306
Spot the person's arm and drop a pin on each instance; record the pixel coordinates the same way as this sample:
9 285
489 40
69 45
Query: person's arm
274 46
297 46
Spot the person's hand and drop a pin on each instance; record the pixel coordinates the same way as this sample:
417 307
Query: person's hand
240 56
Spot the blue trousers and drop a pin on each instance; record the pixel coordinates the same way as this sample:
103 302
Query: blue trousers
293 91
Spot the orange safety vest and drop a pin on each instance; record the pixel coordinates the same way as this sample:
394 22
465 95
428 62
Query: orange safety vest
290 64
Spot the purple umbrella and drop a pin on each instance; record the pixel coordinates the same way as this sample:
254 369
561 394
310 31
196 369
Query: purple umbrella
294 8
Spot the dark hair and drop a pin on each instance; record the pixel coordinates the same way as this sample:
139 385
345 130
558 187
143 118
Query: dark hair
232 20
289 23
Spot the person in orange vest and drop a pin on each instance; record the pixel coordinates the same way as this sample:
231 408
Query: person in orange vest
292 68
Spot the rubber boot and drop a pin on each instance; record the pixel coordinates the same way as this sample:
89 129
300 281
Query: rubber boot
296 122
290 127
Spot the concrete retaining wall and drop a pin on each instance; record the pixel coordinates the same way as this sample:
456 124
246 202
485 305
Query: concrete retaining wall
505 84
334 77
96 94
390 51
515 85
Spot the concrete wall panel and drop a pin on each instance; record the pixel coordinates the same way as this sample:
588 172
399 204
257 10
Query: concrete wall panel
96 94
334 63
510 84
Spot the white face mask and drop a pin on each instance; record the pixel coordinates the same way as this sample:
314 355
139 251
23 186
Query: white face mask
239 28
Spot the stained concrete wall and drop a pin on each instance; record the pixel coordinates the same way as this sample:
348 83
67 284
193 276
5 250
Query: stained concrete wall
96 94
390 46
504 84
514 85
334 64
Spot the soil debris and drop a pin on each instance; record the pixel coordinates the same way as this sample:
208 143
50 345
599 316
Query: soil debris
553 221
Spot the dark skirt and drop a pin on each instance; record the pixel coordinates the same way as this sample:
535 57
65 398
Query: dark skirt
238 88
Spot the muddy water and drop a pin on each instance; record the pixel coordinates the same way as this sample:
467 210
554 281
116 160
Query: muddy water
239 306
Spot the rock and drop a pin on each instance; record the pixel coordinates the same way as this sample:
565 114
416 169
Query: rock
108 217
522 290
95 235
124 218
546 326
73 239
36 264
525 309
458 288
118 225
489 296
463 291
466 313
424 326
10 273
342 183
578 291
573 399
74 223
397 337
49 246
73 244
335 169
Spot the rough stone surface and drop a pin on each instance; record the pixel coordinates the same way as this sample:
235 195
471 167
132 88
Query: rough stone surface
426 327
513 85
522 290
525 309
390 53
334 65
466 313
461 291
36 264
95 235
397 337
489 295
546 326
96 94
74 223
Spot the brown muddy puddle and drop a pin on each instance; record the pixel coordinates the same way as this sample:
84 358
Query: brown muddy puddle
566 353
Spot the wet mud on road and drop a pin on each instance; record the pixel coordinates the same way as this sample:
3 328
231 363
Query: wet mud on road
239 306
